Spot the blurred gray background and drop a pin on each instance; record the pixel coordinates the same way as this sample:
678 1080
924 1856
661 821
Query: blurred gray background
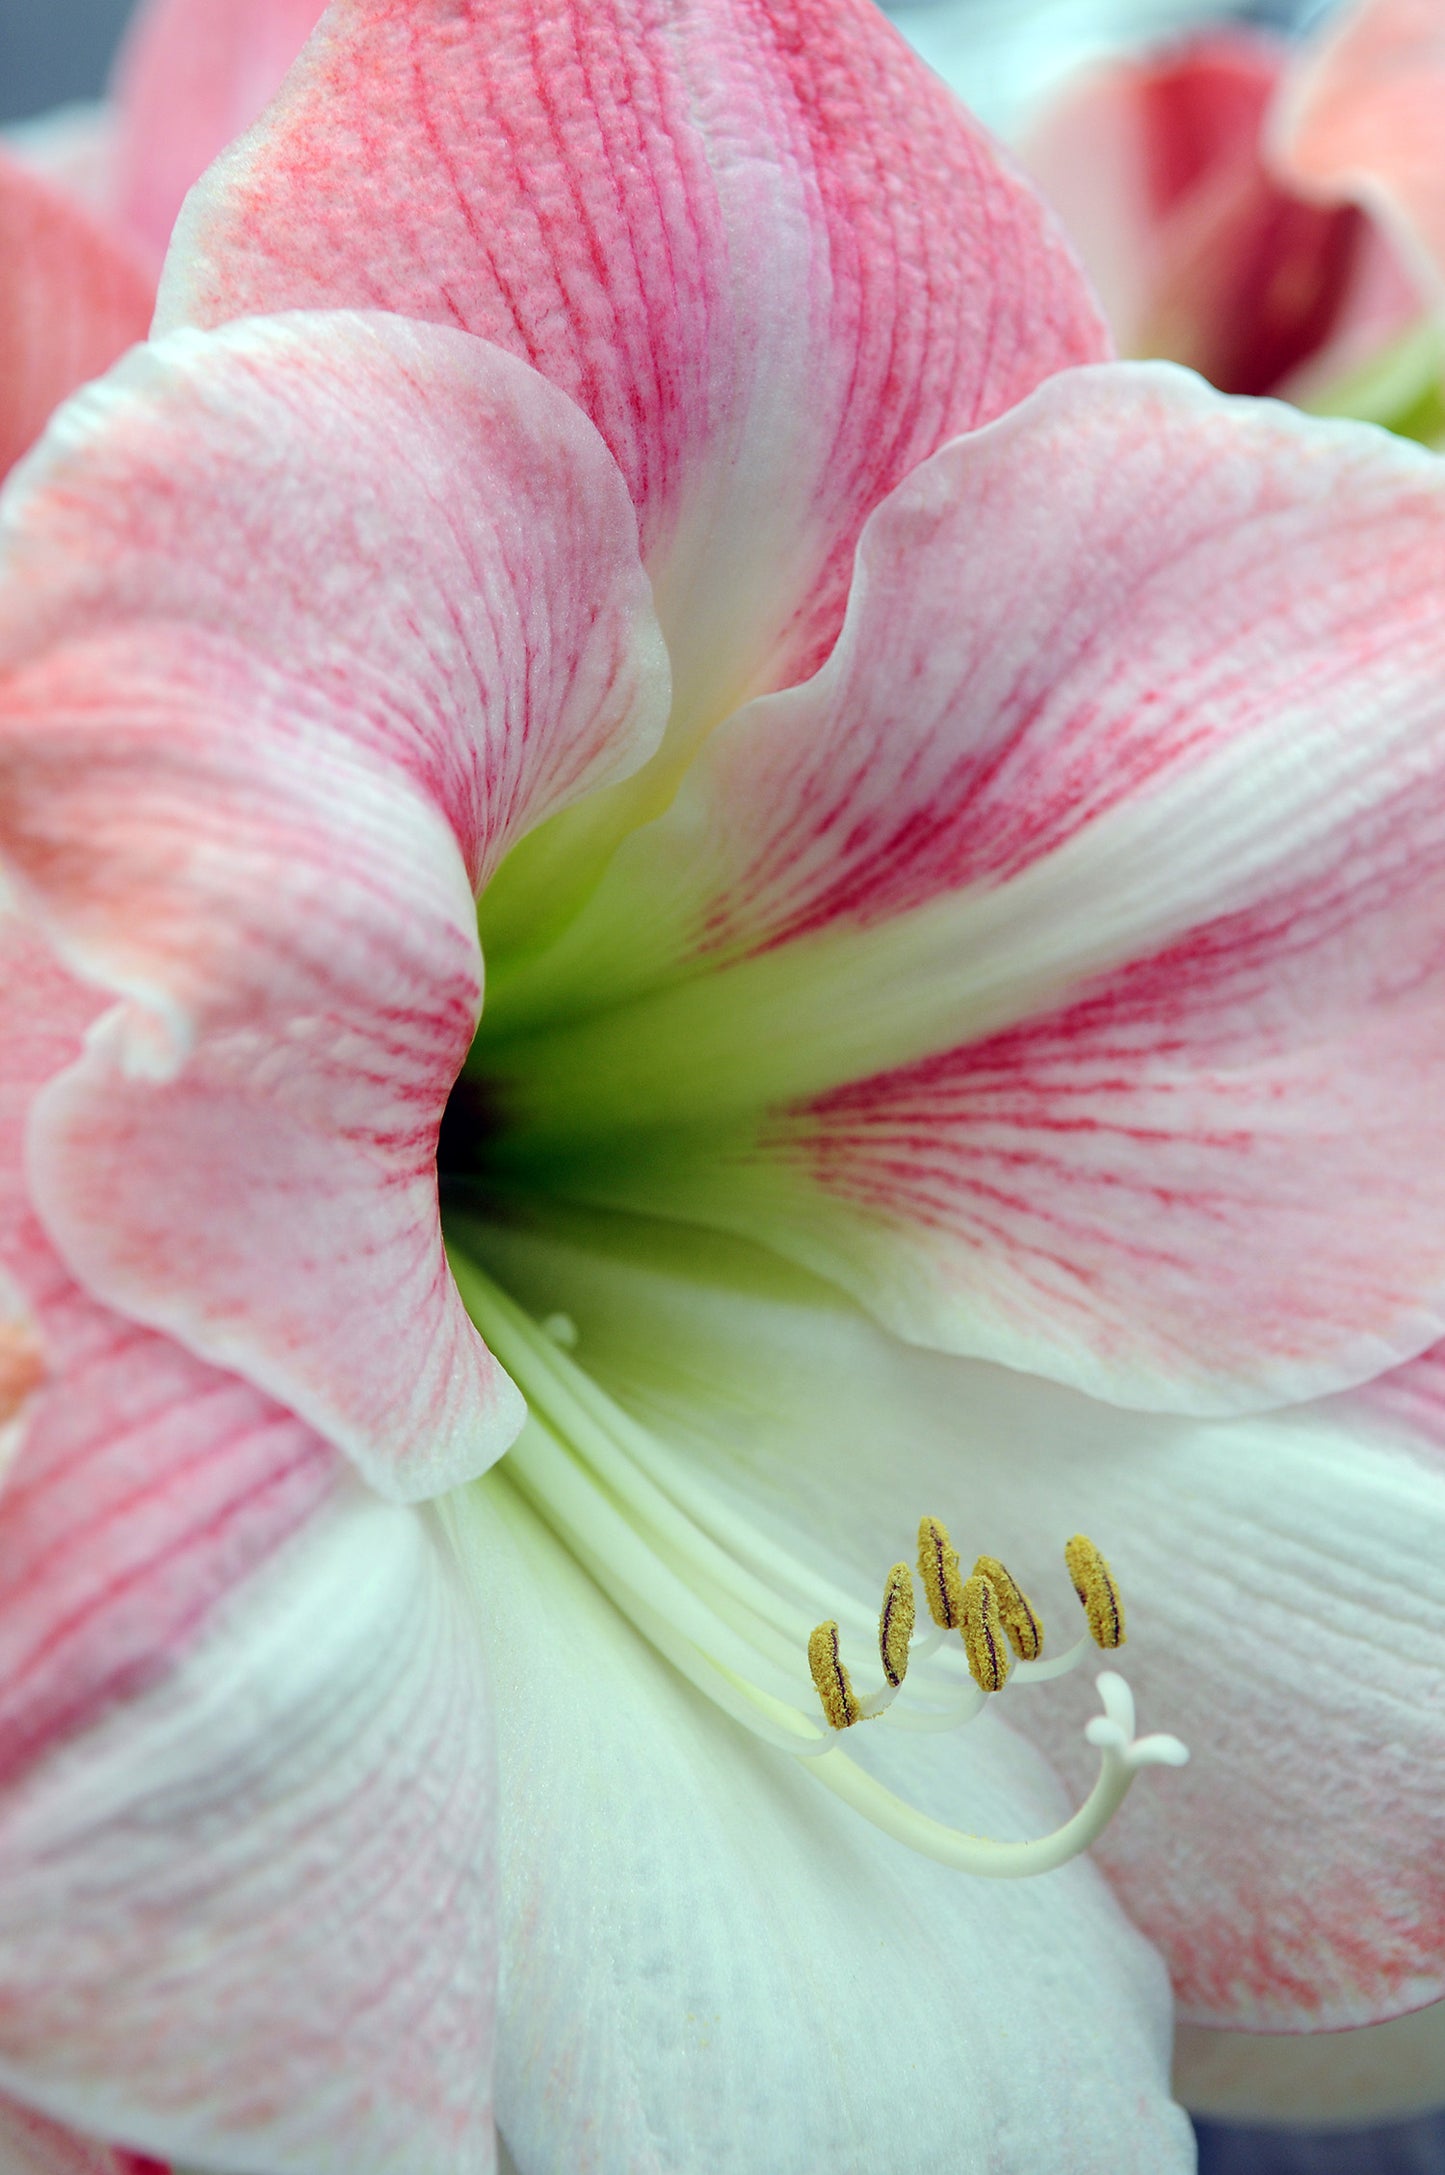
53 53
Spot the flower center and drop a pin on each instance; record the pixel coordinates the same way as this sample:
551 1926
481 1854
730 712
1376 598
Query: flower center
746 1621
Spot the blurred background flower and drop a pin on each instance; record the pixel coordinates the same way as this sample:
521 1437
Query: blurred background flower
1008 58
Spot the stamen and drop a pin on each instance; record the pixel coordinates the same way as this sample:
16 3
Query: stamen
831 1679
983 1636
1020 1620
938 1567
708 1593
895 1624
1095 1587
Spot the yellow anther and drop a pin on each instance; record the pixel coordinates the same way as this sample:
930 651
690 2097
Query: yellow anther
1094 1585
1025 1632
939 1570
983 1635
895 1624
840 1703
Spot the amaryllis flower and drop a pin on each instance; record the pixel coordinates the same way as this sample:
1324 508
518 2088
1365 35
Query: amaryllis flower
957 840
87 201
1211 243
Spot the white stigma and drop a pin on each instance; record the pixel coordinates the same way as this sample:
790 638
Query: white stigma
737 1615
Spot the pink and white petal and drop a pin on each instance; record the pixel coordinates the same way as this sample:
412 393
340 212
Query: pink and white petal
1377 2073
147 1483
1358 119
192 74
146 1486
708 1963
31 2144
244 1755
246 1913
1025 969
305 623
756 240
72 298
1280 1577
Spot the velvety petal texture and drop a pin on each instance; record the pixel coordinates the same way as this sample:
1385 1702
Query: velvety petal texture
245 1795
1361 119
755 240
707 1963
1280 1579
192 75
73 297
1024 970
303 624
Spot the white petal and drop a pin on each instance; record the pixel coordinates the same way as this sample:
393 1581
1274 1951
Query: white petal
708 1963
1281 1581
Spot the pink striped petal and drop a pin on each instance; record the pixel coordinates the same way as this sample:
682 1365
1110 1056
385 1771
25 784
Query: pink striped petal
305 623
1360 118
245 1803
72 298
1060 969
756 240
192 75
147 1483
1200 253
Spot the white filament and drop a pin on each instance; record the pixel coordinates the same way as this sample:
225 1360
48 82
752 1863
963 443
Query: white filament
732 1611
